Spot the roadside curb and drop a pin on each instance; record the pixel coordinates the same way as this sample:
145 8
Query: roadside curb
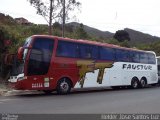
20 92
4 88
3 92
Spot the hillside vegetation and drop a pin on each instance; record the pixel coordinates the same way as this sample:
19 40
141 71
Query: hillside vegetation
18 32
140 38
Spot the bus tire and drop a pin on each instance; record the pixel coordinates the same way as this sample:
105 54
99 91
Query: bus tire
158 83
143 82
63 86
135 83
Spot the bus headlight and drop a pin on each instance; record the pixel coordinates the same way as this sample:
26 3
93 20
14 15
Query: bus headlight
21 78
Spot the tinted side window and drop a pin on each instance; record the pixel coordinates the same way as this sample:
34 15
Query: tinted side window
94 51
134 57
85 51
40 56
122 55
107 53
88 51
143 58
67 49
151 58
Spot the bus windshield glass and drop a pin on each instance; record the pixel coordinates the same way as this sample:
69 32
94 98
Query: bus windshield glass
40 56
26 44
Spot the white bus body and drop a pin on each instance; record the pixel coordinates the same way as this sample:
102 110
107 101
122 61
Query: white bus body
122 74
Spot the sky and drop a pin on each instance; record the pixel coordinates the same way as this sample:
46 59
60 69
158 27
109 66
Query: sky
105 15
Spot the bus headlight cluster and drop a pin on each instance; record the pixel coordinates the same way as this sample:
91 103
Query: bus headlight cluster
21 78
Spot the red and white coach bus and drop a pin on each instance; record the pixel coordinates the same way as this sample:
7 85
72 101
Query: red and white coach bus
54 63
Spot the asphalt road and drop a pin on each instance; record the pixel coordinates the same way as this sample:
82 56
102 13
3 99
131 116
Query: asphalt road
99 101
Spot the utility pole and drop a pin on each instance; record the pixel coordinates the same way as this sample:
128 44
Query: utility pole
50 17
64 16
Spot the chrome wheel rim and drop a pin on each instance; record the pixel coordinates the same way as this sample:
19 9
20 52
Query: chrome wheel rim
135 84
64 86
143 83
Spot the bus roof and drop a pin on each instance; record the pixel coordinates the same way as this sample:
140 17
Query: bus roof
92 43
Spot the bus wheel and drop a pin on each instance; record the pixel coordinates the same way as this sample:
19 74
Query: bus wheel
135 83
143 83
158 83
63 86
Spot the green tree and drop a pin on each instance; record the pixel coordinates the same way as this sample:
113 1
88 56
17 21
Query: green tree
57 25
4 35
121 35
80 33
125 44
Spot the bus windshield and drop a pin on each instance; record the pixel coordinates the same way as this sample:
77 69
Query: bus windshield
40 56
26 44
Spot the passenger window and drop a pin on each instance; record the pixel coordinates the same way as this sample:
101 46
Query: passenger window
67 49
85 51
134 57
143 58
122 55
94 52
107 53
151 58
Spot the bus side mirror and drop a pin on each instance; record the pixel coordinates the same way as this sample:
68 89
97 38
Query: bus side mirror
20 53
